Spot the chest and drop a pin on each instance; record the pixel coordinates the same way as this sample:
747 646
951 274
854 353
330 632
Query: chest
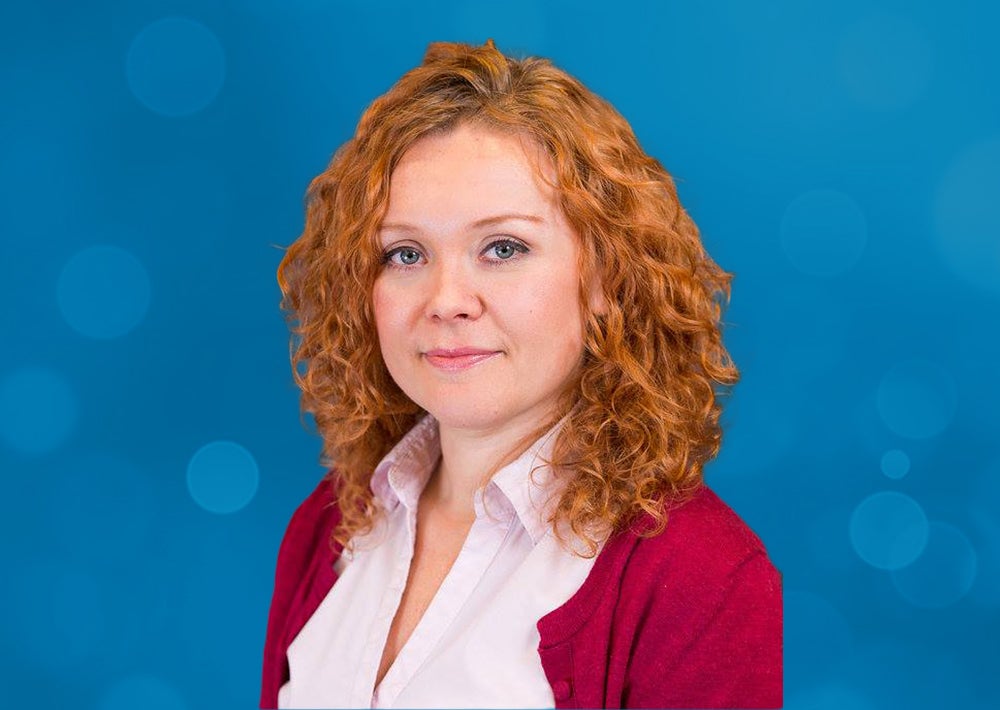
483 614
438 545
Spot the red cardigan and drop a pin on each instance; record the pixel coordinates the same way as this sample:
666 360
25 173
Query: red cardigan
689 618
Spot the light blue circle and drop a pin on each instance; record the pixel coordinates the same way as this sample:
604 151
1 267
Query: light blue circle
823 233
888 530
885 61
103 292
175 66
142 691
916 399
943 574
38 410
967 215
222 477
895 464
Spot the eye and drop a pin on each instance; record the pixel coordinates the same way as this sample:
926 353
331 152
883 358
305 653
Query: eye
401 256
506 249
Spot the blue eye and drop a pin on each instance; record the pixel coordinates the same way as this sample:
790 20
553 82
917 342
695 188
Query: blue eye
506 249
407 256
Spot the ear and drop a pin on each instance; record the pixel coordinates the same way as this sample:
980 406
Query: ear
596 299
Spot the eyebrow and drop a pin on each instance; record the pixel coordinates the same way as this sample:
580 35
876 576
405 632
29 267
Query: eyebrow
478 224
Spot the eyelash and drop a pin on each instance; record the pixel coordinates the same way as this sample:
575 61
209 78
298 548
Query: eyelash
518 246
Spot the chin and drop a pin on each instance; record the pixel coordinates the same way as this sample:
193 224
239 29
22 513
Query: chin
465 420
453 415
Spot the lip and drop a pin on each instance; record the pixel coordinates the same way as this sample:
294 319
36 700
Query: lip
457 359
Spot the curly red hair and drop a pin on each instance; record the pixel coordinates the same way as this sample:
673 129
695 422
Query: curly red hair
642 417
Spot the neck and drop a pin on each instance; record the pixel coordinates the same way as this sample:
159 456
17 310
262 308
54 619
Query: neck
467 457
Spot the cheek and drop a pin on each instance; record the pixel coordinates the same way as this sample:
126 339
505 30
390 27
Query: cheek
548 312
383 306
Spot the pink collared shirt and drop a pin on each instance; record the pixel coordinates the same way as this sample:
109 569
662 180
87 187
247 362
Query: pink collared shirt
477 643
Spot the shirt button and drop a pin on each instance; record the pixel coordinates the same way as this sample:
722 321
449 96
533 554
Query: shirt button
562 689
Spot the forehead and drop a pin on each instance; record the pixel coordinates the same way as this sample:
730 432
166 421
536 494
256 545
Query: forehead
472 169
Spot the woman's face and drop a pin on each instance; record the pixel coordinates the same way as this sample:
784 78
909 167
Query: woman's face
477 304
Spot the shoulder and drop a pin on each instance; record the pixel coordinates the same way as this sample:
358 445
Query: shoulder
317 504
703 601
306 552
303 574
706 558
703 539
310 527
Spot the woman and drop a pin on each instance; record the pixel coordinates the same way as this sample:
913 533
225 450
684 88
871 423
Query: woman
507 330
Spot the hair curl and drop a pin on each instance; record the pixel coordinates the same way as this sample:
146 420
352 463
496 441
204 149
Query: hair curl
642 418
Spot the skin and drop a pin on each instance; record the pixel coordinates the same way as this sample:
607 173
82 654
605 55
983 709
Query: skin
479 254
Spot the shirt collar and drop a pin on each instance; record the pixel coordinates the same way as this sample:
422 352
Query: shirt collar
402 473
526 486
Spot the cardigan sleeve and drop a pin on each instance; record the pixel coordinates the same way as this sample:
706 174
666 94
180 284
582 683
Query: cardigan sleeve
718 646
303 575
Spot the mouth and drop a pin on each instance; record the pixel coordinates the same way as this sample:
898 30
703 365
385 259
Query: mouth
457 359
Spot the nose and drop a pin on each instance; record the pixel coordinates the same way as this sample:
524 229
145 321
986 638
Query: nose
452 294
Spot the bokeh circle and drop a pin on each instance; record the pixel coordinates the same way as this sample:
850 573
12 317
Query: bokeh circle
944 572
38 410
175 66
222 477
888 530
103 292
967 215
895 464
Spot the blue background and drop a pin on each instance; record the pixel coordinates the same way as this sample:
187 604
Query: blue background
842 158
